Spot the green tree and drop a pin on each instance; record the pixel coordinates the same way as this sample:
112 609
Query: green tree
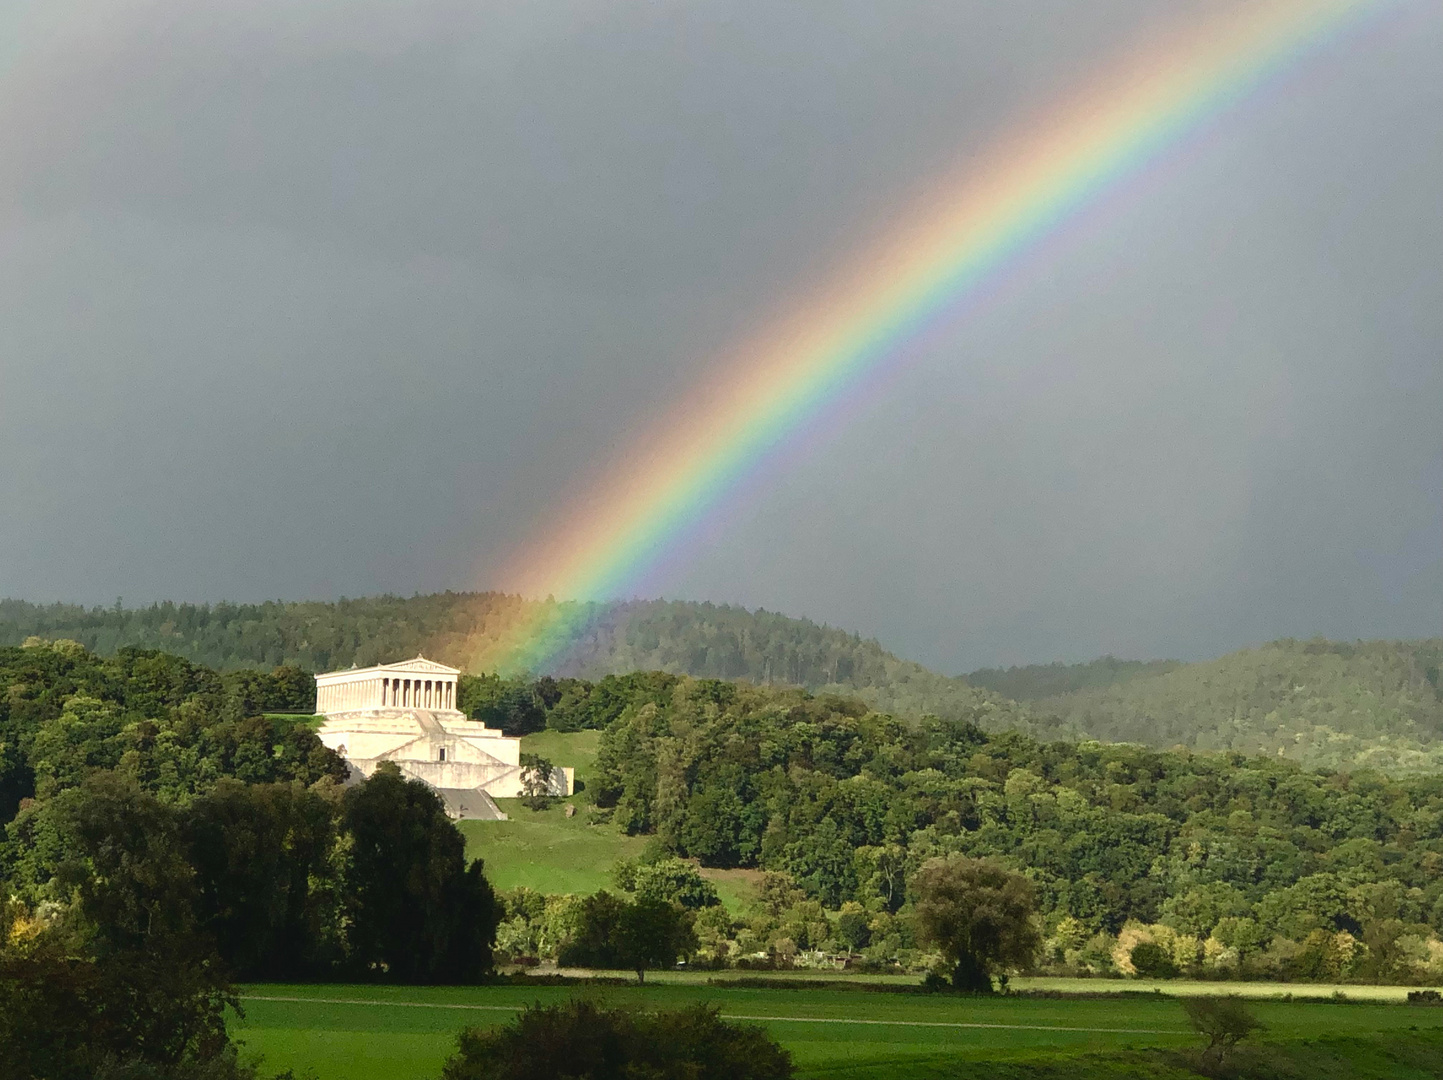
637 935
121 975
583 1039
417 912
1223 1022
1152 961
980 915
669 879
537 774
653 934
268 878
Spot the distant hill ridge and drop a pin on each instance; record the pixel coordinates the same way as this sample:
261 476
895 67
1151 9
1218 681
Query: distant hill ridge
700 639
1340 705
1034 682
1334 704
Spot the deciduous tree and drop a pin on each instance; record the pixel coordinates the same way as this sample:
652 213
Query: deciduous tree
980 915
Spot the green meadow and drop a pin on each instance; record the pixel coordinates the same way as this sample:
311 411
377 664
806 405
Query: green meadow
546 850
341 1032
552 853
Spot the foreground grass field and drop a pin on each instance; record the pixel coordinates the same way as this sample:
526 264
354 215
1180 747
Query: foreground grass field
405 1033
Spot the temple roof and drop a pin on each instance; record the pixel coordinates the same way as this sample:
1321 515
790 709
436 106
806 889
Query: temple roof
419 666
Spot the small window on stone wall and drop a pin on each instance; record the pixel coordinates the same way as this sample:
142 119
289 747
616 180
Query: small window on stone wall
442 753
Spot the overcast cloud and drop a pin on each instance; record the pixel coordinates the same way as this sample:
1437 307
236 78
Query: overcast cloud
303 299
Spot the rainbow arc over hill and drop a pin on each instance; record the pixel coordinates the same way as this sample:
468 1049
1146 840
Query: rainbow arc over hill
845 334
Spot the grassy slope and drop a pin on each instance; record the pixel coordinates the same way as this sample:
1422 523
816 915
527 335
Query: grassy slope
343 1041
547 851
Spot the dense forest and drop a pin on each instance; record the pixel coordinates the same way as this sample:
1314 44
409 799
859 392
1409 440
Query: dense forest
1339 705
1142 860
1225 863
167 828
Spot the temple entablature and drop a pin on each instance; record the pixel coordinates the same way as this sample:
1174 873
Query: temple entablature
411 684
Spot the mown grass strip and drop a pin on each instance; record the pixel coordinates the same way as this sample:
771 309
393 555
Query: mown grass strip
739 1016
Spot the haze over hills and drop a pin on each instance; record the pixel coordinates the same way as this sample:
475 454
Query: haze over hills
1033 682
1334 704
1339 705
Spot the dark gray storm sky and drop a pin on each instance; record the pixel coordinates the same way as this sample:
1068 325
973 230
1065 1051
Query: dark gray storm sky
305 298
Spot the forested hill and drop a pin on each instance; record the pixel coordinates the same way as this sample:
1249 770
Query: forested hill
1034 682
1333 704
698 639
1327 704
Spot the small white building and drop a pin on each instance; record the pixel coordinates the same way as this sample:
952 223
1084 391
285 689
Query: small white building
406 713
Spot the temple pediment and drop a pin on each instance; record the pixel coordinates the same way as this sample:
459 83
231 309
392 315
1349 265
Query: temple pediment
418 666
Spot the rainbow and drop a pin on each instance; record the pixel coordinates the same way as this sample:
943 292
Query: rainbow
965 234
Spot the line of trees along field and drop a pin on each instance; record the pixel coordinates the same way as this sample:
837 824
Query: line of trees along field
1337 705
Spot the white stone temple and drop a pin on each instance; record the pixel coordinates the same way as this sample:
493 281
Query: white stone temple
406 713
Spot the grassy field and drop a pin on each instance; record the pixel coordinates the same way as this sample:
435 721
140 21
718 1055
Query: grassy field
405 1033
545 850
576 748
552 853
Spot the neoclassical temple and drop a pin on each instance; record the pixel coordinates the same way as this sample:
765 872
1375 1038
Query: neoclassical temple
406 713
414 684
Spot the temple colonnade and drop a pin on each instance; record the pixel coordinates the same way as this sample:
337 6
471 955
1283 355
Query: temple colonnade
387 692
